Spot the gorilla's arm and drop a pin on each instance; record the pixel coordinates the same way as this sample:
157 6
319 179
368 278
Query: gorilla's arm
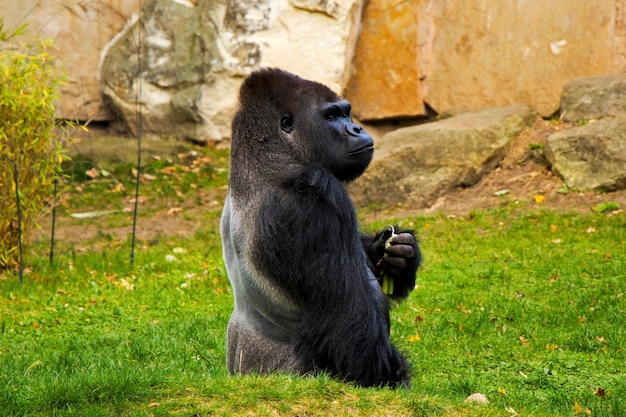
399 261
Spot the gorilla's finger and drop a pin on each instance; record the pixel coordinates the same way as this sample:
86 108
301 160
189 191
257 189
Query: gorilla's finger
405 251
403 239
394 262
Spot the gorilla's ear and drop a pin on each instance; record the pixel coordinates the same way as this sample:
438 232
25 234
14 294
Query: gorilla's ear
286 123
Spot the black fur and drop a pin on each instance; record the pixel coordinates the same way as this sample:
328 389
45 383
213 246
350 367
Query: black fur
306 288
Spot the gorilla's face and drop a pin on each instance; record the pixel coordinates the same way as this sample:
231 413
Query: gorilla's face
325 131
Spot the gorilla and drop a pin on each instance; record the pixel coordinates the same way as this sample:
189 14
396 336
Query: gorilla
306 284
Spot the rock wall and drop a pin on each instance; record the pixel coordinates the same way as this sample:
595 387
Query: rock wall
493 52
190 55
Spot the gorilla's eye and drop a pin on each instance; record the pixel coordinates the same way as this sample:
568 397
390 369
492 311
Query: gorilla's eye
286 123
333 112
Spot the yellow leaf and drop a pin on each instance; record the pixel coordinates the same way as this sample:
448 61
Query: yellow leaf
539 199
577 408
501 391
553 227
551 347
415 338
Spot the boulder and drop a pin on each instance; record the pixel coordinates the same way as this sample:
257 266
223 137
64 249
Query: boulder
80 30
418 164
594 97
182 75
384 82
157 68
590 157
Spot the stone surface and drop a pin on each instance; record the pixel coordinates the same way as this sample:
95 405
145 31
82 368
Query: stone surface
187 71
594 97
418 164
492 53
158 69
385 82
477 398
312 38
80 30
469 55
590 157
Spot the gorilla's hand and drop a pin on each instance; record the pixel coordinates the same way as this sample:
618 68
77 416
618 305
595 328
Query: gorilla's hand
397 258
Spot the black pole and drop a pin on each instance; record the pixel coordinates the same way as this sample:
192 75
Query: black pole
19 220
139 134
54 219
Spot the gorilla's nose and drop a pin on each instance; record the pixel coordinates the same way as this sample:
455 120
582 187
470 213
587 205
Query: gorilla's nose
354 130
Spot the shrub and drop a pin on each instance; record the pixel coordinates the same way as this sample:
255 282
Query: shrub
28 81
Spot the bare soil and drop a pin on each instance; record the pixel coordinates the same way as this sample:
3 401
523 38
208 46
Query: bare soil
524 176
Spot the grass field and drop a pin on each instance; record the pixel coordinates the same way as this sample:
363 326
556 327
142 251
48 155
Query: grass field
525 306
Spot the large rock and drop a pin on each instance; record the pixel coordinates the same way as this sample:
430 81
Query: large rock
590 157
385 81
182 75
594 97
492 53
80 30
418 164
157 69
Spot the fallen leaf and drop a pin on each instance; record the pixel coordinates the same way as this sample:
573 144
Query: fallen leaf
154 404
524 341
463 310
133 200
539 199
92 173
591 230
415 338
127 285
511 410
552 346
599 392
501 391
553 228
577 408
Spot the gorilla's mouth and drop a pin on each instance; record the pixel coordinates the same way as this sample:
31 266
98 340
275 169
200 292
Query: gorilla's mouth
365 148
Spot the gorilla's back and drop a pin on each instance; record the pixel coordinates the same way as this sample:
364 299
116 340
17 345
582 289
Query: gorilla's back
263 326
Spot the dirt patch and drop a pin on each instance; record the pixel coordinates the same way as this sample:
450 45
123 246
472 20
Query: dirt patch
523 176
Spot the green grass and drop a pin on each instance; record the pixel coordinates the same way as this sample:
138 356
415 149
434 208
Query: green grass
527 307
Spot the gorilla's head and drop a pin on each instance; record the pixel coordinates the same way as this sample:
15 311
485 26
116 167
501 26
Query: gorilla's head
290 123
